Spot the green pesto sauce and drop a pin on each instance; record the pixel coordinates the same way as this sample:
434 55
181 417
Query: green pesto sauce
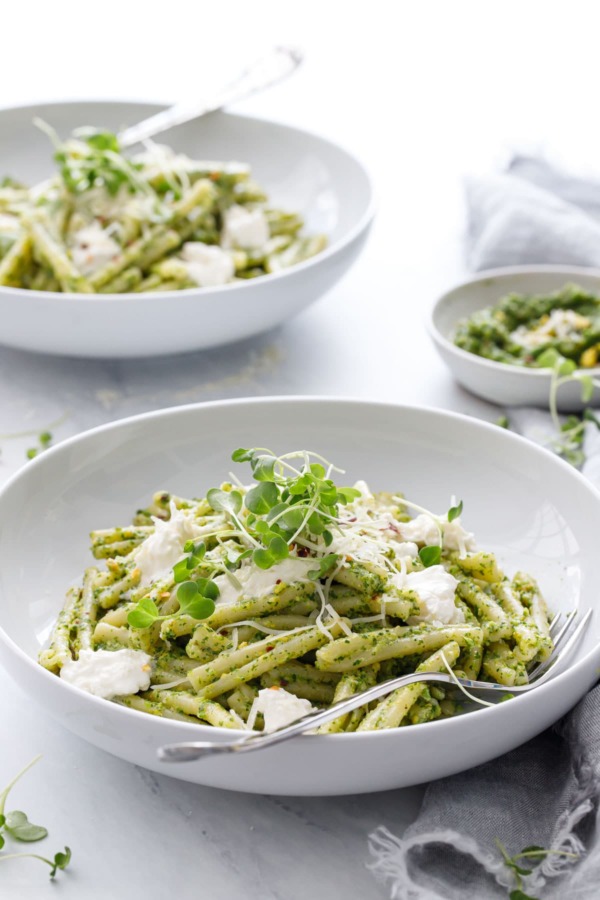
488 331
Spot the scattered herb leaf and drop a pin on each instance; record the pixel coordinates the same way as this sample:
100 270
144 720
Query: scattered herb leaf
225 501
18 826
536 855
326 564
455 511
430 556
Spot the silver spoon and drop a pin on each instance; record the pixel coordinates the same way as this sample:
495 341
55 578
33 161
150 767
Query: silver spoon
270 69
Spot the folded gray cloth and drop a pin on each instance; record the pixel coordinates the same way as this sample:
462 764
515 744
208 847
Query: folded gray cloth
532 214
545 794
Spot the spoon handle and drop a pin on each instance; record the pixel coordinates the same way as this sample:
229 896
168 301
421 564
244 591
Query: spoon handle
276 65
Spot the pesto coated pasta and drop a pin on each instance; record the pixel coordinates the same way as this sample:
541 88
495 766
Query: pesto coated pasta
251 606
158 221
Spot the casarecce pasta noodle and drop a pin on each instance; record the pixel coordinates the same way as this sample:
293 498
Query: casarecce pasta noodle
253 605
158 221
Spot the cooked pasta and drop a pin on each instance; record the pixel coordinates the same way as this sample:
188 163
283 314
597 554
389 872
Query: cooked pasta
158 221
258 603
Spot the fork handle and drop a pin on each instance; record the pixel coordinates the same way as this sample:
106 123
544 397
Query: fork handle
271 68
192 750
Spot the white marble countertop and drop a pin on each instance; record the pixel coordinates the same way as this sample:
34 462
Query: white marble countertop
420 127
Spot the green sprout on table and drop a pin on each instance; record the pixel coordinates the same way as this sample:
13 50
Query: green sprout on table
44 437
567 441
528 855
44 441
16 825
569 435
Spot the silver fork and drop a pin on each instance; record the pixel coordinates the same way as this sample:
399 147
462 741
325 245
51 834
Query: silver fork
564 642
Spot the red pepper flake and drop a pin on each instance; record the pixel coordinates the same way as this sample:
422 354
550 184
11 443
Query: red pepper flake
270 647
302 551
278 581
283 682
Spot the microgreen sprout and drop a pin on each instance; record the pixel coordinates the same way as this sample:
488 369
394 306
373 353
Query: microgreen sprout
92 159
181 569
455 511
44 441
569 436
326 564
17 826
44 438
196 599
285 503
531 854
430 556
60 860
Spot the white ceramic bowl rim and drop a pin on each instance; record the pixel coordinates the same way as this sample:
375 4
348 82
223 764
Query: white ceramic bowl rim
201 730
507 272
333 247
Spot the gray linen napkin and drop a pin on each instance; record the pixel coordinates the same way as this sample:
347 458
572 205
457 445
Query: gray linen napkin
547 792
532 213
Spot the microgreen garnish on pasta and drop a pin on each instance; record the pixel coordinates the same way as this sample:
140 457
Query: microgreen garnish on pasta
286 591
156 221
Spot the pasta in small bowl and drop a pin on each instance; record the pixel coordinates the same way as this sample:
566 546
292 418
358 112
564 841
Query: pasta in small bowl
506 334
250 590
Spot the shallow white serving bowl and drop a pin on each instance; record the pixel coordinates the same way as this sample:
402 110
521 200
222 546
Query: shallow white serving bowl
499 382
538 513
299 170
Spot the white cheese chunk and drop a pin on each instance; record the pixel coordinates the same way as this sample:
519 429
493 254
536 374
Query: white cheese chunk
157 555
422 529
456 538
92 248
206 265
257 582
435 589
246 229
356 546
109 673
561 324
406 549
278 707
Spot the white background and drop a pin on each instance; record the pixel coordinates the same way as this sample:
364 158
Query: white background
424 93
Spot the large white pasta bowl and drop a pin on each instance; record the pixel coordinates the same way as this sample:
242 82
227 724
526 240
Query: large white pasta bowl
327 185
533 510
